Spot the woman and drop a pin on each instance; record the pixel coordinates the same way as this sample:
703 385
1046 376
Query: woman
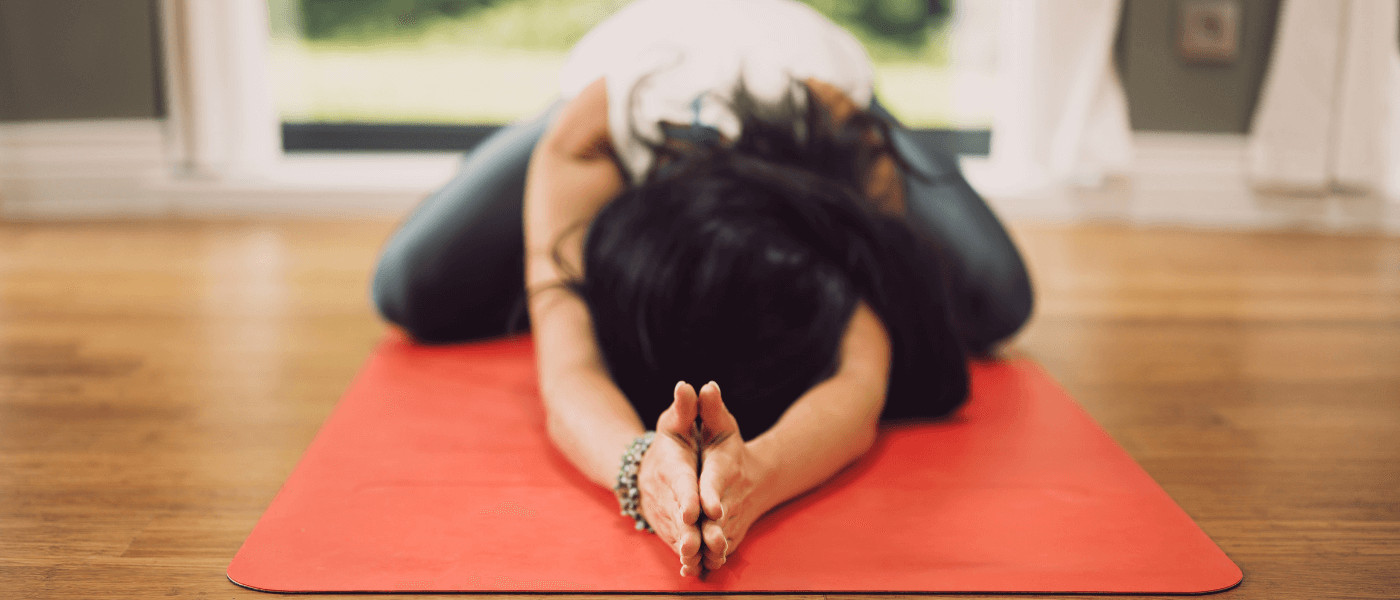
711 202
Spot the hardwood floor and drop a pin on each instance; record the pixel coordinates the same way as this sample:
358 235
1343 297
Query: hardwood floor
158 382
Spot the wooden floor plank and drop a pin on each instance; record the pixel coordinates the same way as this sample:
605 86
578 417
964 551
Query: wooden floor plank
159 380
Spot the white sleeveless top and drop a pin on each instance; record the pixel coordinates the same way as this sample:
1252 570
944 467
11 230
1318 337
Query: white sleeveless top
696 49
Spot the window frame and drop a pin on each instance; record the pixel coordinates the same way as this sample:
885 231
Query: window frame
222 123
396 137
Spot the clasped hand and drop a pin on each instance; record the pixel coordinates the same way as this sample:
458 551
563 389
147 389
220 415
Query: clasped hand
699 485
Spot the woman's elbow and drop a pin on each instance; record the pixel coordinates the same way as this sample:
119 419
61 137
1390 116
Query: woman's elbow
866 441
995 311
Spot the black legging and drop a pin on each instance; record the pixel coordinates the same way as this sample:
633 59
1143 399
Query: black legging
455 270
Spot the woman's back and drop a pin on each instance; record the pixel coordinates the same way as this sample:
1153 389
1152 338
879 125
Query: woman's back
677 61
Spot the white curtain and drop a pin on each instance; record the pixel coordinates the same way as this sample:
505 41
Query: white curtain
1328 117
222 118
1063 116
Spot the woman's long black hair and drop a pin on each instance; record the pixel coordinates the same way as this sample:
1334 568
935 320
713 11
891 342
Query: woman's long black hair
743 263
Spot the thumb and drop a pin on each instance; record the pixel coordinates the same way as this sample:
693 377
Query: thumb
679 418
710 494
715 416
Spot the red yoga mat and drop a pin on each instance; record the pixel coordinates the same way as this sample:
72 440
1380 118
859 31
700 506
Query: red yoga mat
435 474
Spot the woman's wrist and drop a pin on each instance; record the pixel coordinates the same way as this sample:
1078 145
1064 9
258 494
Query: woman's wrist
765 469
594 456
786 466
589 421
627 489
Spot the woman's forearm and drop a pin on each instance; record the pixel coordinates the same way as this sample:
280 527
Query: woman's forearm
831 425
570 178
828 428
590 422
588 417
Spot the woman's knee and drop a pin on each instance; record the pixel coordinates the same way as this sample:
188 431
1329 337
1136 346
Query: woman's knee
1013 301
996 301
400 300
452 267
993 287
439 303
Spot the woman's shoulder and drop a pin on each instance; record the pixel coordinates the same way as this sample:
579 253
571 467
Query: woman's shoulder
580 129
572 172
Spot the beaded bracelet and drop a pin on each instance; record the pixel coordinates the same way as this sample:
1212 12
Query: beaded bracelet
628 495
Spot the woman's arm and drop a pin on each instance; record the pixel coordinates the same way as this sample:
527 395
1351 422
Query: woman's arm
835 422
571 176
826 429
569 179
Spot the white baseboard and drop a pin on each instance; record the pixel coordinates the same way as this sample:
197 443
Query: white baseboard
68 169
331 185
1188 180
122 169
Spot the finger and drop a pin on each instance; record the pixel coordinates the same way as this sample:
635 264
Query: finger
659 513
672 492
688 547
712 486
678 418
664 529
680 492
687 495
688 544
716 418
717 544
686 401
692 560
713 564
682 510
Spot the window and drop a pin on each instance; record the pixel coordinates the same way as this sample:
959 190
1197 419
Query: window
441 74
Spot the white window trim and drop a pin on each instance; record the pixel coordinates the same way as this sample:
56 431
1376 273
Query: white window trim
223 124
222 121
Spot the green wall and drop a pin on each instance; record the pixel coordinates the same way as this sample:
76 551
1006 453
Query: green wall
1167 94
79 59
